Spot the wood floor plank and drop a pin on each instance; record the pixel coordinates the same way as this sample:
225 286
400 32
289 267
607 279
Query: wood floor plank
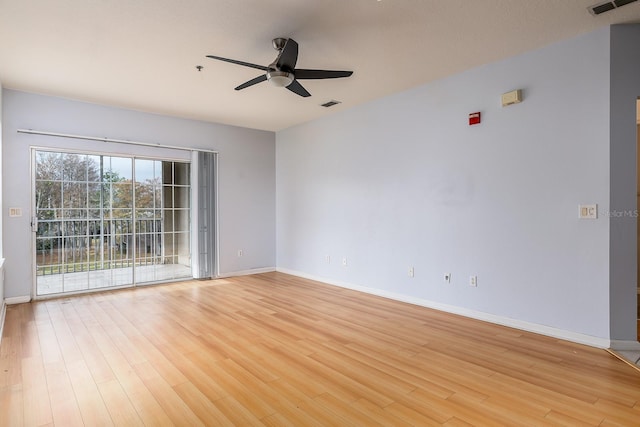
11 378
457 422
562 419
347 414
118 404
64 405
518 389
142 400
287 400
192 370
278 420
236 412
384 417
66 339
380 381
94 359
511 412
411 415
147 407
37 406
90 402
10 367
617 413
330 379
202 406
436 375
237 389
277 350
169 400
11 404
30 343
300 382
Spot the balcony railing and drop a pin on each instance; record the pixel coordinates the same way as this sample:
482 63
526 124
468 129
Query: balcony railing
69 246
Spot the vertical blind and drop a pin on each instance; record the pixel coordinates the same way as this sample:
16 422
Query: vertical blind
203 189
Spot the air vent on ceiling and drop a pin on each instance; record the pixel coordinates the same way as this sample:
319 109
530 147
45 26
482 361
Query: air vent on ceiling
330 103
607 6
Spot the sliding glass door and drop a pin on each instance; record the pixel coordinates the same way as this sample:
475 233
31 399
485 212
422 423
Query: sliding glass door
109 221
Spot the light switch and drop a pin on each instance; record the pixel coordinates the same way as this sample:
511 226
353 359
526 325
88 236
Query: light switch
588 211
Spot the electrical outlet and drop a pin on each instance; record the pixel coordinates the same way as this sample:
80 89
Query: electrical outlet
344 261
410 272
473 281
240 252
447 277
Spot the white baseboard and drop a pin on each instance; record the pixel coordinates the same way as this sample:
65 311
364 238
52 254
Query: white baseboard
17 300
247 272
625 345
479 315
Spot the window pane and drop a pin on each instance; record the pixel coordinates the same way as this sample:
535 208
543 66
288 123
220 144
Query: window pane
93 169
167 197
94 194
181 198
146 170
145 195
74 167
48 166
74 213
48 194
119 167
167 173
182 174
121 195
181 220
74 195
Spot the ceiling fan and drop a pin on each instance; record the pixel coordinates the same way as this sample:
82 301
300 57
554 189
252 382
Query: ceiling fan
283 72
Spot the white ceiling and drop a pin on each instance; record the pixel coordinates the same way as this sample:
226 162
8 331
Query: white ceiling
142 54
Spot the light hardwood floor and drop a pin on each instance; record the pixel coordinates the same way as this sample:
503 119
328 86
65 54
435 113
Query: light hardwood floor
277 350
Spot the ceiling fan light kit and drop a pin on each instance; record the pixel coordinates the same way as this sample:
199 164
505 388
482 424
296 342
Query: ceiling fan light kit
279 78
283 72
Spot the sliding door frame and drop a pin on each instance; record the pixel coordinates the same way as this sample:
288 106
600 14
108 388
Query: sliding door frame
33 231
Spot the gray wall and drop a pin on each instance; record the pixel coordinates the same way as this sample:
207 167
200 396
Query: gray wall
625 90
404 181
246 172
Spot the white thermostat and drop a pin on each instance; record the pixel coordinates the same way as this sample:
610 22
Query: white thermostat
513 97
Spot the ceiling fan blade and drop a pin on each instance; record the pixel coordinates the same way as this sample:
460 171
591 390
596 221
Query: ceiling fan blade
252 82
321 74
233 61
288 57
296 87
